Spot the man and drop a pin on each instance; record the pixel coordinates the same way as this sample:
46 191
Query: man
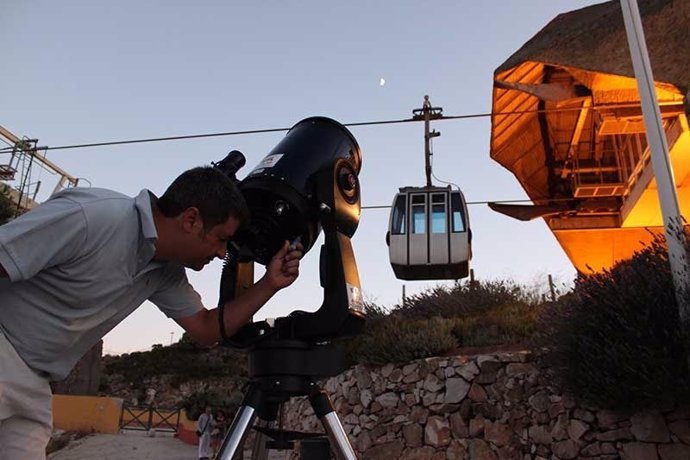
204 427
77 265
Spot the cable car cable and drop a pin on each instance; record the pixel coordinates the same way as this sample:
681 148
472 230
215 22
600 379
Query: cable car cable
273 130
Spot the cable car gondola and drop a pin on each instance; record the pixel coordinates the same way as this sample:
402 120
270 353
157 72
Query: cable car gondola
429 236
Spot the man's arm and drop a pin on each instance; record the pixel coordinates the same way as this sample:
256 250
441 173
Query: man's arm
281 272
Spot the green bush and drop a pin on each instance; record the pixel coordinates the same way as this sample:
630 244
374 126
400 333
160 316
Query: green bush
196 403
393 339
616 341
184 360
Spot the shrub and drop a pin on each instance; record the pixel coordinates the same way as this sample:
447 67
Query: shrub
616 342
184 360
393 339
503 324
196 403
464 298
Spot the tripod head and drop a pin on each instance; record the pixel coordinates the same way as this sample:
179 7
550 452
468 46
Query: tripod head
306 184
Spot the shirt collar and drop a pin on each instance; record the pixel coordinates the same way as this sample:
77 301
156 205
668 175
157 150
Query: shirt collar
143 205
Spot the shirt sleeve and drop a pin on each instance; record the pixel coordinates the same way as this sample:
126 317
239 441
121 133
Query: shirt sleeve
48 235
176 298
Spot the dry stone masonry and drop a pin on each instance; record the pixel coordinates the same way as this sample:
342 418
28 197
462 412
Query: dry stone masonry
486 407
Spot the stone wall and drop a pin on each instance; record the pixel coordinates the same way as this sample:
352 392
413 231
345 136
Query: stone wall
488 407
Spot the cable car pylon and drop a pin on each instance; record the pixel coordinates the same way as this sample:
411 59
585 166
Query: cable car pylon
429 237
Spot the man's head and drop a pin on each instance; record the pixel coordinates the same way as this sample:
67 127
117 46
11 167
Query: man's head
205 209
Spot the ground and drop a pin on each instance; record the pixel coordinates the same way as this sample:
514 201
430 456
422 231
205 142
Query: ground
129 446
135 445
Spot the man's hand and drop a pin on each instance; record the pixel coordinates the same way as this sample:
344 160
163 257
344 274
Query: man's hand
283 268
281 272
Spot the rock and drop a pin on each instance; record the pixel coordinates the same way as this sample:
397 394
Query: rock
480 450
621 434
509 453
388 400
455 451
458 426
476 426
413 434
639 451
649 427
419 414
477 393
488 370
499 434
567 449
674 452
363 441
467 371
576 429
584 415
539 401
515 369
365 398
422 453
388 451
456 390
432 383
608 419
540 434
437 432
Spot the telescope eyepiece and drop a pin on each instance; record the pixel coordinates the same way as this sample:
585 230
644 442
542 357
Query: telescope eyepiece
232 163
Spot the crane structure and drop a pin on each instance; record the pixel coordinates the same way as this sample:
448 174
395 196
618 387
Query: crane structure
17 167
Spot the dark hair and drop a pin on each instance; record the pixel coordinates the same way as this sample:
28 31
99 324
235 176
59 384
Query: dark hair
215 195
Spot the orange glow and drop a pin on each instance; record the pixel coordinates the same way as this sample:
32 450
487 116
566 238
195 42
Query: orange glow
599 249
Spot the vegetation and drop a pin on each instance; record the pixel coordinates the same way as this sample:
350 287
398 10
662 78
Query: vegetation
7 208
439 321
196 403
185 360
616 341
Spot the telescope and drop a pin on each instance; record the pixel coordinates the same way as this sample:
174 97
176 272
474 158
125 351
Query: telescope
307 184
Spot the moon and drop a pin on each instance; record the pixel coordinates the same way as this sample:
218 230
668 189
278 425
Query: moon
382 81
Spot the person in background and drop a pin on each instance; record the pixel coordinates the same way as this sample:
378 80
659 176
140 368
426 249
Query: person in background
218 433
204 427
74 267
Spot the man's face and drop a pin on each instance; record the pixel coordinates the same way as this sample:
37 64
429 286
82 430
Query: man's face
204 246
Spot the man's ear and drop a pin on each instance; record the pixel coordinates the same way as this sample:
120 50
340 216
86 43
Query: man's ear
191 220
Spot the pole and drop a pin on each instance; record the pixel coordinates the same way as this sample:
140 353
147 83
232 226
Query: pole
661 162
552 288
427 139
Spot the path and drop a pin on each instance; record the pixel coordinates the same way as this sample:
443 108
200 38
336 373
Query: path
129 446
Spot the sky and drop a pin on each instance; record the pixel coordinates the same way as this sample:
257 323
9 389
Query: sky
92 71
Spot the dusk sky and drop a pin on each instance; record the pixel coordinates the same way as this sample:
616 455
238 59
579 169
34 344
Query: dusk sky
90 71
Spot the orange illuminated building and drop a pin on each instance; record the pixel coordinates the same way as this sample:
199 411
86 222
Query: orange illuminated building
566 120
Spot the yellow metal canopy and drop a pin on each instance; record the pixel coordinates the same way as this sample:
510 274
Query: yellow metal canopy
566 121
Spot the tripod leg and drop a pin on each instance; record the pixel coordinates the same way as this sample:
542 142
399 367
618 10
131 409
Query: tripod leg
243 421
323 408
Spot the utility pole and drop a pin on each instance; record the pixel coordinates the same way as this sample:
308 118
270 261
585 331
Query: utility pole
428 113
661 162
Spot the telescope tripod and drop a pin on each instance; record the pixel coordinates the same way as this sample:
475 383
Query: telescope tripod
265 395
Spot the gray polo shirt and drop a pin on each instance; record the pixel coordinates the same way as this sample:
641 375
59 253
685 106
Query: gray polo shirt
78 265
